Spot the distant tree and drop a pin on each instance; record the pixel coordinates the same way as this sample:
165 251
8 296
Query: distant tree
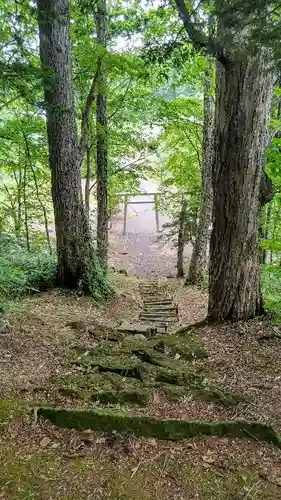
199 258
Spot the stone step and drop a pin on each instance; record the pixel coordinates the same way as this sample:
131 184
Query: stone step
161 308
155 297
158 300
158 319
164 314
145 329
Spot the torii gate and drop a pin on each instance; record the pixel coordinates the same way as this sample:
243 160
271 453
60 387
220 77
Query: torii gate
126 202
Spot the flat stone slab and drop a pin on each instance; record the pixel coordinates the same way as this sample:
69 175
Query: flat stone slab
145 329
158 319
152 308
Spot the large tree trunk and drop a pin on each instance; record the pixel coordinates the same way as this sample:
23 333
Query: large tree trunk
199 260
244 93
102 154
72 231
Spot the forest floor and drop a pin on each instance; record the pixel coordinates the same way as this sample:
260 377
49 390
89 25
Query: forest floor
40 460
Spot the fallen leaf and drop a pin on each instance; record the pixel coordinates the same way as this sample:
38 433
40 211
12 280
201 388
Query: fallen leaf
208 460
55 445
44 442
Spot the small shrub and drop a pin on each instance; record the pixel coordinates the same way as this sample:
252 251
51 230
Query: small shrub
23 272
271 287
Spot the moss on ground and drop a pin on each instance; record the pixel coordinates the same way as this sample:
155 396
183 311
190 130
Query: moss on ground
10 409
113 420
42 474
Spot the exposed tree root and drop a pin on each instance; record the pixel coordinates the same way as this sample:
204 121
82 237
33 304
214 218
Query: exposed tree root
195 326
109 420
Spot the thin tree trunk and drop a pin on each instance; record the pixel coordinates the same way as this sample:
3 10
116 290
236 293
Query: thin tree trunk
25 208
38 193
43 208
74 249
101 152
199 260
88 181
244 95
265 232
18 211
181 239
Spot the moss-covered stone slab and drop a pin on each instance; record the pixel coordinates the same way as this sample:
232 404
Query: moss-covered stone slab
92 382
220 396
146 330
123 422
211 394
139 397
185 378
126 366
149 355
187 348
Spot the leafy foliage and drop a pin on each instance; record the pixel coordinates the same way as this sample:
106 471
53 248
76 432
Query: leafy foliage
23 272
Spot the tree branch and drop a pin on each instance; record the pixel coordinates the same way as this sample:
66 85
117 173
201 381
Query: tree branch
122 169
271 137
276 101
86 114
121 100
210 45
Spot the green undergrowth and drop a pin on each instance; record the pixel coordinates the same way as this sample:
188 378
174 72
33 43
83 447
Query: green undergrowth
123 422
23 272
271 287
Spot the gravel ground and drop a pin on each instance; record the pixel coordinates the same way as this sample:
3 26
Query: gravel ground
143 254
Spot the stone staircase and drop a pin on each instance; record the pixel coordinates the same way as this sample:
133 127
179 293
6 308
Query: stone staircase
158 314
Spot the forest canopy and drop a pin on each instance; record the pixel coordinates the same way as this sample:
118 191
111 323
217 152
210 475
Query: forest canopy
97 97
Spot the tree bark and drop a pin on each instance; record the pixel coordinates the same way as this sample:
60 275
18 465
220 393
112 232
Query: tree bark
199 260
181 239
243 101
101 151
74 250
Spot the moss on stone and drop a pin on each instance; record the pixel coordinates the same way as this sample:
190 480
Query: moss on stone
156 358
187 347
174 392
108 420
139 397
126 366
72 393
220 396
185 378
97 382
